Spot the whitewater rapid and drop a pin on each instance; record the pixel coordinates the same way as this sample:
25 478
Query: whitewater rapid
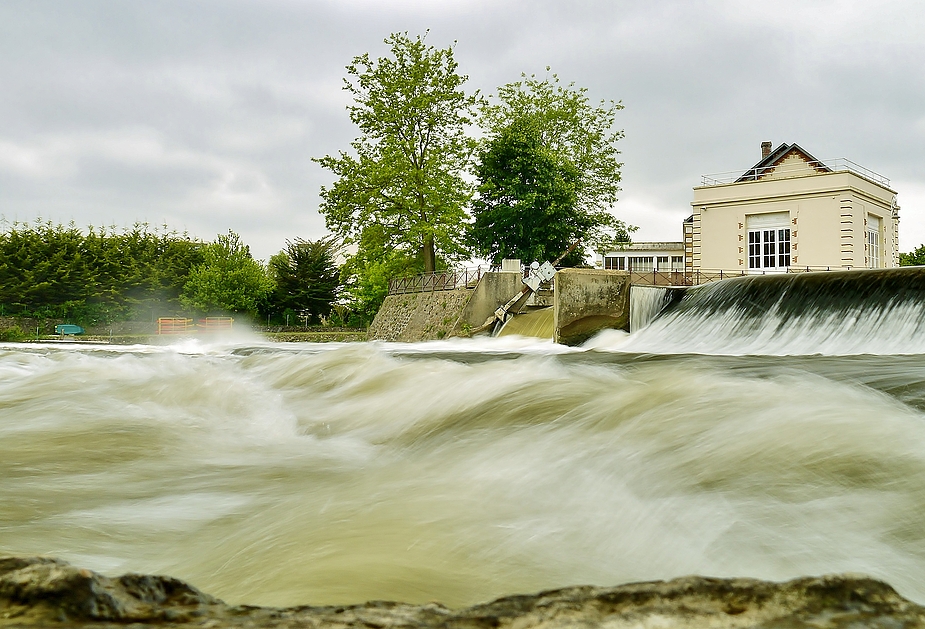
459 471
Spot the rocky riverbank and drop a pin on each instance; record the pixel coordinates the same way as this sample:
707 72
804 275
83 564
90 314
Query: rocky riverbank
43 592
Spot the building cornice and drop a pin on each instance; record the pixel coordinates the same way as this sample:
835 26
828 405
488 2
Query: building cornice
771 182
792 196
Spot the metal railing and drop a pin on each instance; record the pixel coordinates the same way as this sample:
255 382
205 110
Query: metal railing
705 276
794 170
469 278
437 281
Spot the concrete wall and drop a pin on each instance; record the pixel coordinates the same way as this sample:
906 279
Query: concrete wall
587 301
494 290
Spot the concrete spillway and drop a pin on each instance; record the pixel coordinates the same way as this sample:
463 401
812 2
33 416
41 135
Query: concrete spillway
838 312
535 323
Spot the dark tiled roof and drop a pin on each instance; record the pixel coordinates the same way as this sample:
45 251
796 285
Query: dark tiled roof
777 155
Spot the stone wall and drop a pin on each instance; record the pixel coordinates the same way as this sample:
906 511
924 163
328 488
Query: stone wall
419 316
427 316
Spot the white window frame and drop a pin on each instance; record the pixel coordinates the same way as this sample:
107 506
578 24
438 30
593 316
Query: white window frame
873 248
769 242
642 264
769 249
874 224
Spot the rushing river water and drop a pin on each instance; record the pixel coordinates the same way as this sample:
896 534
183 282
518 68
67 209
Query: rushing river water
460 471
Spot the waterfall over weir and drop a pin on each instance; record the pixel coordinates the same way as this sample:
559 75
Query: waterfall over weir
647 302
835 313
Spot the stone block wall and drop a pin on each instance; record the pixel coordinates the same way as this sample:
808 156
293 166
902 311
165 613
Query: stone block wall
416 317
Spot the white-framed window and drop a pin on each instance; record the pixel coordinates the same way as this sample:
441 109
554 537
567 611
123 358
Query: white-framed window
873 241
769 241
642 263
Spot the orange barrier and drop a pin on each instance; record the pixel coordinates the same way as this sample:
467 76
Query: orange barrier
174 325
215 324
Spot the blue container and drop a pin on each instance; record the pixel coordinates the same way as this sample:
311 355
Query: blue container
67 328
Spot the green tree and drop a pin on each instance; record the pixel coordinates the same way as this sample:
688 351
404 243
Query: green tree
574 179
525 207
141 271
306 276
228 280
405 173
44 265
913 258
366 274
49 270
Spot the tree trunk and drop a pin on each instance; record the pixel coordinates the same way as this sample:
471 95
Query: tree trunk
430 258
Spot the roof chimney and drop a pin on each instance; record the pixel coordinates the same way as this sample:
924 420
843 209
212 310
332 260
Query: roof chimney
765 149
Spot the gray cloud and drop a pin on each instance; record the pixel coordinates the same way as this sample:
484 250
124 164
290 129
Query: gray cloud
206 114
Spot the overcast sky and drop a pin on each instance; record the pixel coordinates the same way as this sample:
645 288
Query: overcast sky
205 114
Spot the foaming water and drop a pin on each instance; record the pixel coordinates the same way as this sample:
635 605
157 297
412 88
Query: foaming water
459 471
838 313
646 302
899 330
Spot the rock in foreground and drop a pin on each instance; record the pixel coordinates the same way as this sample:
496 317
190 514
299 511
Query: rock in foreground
41 592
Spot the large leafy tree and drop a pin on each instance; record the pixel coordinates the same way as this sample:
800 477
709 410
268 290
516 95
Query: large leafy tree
526 198
366 274
306 276
228 280
405 171
563 173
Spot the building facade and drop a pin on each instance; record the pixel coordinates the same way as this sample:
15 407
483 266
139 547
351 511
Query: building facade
642 257
658 263
792 211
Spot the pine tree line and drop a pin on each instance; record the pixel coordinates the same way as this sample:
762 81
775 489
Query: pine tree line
57 271
52 271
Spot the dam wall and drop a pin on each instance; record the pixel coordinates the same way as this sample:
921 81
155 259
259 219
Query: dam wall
871 311
494 290
588 301
585 301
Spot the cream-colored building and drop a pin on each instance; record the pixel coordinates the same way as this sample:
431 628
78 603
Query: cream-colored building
792 210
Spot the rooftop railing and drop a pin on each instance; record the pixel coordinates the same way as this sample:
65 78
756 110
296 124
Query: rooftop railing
784 171
469 278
